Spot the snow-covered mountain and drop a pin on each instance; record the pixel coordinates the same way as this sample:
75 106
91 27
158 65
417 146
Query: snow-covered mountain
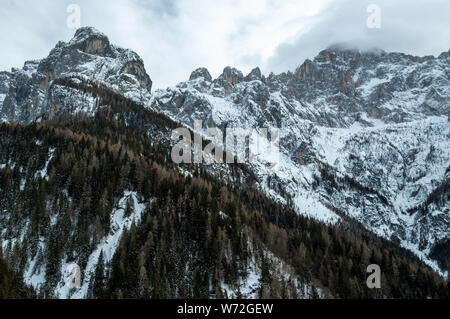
363 135
27 94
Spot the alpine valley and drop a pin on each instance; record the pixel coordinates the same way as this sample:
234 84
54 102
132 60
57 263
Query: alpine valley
86 178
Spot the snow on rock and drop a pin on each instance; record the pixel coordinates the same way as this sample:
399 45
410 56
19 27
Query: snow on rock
376 120
249 286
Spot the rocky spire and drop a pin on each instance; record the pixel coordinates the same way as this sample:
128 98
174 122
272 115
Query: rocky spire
255 74
200 73
232 75
90 40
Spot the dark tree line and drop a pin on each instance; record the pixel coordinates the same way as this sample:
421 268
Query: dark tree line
197 233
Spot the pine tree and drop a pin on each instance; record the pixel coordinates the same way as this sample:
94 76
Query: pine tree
99 278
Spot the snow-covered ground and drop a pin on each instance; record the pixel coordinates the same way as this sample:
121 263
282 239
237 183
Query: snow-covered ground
249 287
35 269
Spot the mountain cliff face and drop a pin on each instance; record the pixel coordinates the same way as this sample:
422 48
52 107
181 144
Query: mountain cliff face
27 94
377 122
364 136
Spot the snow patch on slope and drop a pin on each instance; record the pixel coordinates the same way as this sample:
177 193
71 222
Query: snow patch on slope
109 244
43 173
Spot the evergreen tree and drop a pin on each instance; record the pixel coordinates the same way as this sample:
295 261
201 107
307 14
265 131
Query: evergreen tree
99 278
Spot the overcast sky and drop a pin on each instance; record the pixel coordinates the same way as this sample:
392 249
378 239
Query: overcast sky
175 37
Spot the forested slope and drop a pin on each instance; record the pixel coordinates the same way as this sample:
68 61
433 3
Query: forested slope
99 193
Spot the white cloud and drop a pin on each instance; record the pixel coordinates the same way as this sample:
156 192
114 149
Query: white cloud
420 27
175 37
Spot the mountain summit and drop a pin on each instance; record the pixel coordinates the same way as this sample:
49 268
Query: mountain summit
27 94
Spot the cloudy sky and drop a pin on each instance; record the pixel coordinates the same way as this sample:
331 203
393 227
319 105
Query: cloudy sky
176 36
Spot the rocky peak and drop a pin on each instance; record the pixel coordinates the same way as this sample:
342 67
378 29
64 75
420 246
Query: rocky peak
444 55
90 40
89 54
85 33
255 74
350 49
200 73
232 75
326 56
307 72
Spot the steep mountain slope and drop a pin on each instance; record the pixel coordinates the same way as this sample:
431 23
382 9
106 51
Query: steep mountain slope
363 137
96 192
377 121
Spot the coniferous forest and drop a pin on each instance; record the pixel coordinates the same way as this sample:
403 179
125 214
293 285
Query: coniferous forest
11 283
196 236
